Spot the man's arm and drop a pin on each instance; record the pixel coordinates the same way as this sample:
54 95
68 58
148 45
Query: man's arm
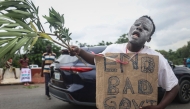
169 97
166 100
88 57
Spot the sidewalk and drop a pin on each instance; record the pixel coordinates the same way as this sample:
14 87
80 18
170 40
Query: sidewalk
9 76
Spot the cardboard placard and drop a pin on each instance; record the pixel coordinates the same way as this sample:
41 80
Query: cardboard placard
126 86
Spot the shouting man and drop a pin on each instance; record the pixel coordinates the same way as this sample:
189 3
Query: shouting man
140 33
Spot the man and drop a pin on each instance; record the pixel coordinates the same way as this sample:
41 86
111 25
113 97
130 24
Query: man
24 67
9 66
48 58
140 33
184 62
24 61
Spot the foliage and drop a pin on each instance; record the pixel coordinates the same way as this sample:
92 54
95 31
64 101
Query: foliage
35 55
177 57
122 39
103 43
20 27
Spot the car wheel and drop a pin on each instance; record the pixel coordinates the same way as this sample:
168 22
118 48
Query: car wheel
184 92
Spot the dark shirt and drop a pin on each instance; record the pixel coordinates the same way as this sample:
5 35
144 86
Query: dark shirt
24 63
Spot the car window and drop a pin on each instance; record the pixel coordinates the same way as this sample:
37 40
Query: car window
66 59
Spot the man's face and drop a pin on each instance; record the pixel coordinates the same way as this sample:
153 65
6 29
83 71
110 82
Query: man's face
48 49
140 31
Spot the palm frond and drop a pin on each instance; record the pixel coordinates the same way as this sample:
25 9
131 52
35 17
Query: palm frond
20 27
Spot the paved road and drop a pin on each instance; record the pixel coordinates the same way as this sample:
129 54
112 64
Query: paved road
20 97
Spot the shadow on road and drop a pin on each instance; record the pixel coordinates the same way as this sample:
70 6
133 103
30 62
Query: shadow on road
71 106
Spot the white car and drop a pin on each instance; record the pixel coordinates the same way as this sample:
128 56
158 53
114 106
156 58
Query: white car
33 66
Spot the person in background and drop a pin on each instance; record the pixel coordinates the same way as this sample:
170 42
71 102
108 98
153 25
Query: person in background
9 66
47 59
24 64
140 33
184 62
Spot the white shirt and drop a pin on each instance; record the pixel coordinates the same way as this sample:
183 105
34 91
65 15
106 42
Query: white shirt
166 77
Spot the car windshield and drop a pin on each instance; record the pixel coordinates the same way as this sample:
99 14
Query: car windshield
66 59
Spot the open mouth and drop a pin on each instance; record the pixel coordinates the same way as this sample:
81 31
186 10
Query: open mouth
135 33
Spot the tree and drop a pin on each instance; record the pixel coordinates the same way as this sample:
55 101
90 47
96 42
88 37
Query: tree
177 56
122 39
20 27
35 55
109 43
101 43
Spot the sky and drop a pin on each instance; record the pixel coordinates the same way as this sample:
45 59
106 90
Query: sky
91 21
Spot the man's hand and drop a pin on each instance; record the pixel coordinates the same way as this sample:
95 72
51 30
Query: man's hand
151 107
74 50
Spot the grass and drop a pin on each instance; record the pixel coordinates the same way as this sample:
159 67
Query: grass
31 86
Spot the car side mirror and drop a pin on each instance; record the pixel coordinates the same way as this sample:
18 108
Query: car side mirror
56 61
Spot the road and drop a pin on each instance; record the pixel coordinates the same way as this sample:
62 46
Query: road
20 97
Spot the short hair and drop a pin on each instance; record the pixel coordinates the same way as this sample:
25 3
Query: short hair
154 27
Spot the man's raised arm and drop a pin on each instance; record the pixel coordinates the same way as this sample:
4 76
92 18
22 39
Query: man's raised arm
88 57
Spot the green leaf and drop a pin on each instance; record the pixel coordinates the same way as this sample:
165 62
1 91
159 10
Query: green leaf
16 15
50 19
62 19
58 23
3 8
22 12
18 6
44 35
9 3
38 25
26 46
33 42
23 24
11 25
11 34
37 9
19 44
4 17
33 6
70 34
4 21
4 50
56 14
3 41
33 27
15 30
32 34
